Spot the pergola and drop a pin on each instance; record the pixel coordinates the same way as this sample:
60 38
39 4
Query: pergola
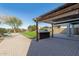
67 13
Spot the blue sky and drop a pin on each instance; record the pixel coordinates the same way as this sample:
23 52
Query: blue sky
26 11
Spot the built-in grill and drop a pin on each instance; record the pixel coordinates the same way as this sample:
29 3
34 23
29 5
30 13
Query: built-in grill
44 34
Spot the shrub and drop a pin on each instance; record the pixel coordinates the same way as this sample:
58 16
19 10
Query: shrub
2 31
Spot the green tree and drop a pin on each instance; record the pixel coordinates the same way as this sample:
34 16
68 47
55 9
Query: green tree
31 28
13 22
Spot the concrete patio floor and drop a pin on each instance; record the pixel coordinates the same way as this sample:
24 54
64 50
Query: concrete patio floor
54 47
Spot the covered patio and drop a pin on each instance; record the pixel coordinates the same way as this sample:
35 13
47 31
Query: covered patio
58 44
67 14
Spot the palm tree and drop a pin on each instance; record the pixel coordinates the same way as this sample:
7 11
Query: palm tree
12 21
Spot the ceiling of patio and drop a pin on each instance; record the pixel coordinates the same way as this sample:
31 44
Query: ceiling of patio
66 14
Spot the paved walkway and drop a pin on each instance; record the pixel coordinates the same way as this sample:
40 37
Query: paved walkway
16 45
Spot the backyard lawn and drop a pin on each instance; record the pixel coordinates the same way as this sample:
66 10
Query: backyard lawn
30 34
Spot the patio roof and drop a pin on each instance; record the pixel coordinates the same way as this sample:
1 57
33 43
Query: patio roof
65 12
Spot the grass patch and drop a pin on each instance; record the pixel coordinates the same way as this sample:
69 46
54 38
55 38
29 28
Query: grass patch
30 34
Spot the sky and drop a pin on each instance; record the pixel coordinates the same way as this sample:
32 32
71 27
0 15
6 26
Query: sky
26 11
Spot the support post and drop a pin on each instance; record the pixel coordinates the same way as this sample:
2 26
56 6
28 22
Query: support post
52 30
72 29
69 30
37 31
